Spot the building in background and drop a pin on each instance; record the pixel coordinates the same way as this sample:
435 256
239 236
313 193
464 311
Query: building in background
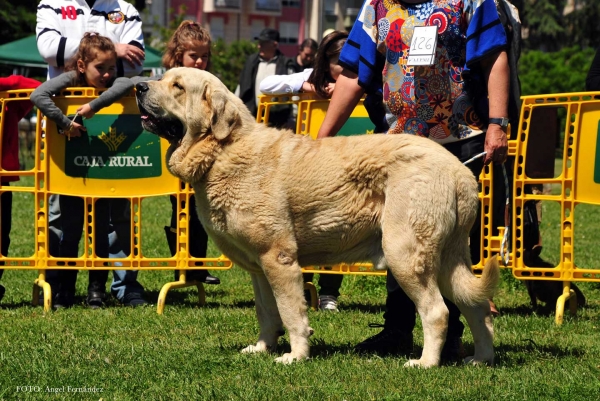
233 20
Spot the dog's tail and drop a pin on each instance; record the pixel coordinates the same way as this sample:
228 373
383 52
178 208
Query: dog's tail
470 290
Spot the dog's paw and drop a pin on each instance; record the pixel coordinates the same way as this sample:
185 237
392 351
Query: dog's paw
417 363
253 349
288 358
470 360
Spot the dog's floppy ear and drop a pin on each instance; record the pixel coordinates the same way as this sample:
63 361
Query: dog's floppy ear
225 114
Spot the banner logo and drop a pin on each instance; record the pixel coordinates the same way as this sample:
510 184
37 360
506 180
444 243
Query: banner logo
112 140
115 147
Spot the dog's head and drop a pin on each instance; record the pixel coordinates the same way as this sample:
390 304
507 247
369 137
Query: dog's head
189 108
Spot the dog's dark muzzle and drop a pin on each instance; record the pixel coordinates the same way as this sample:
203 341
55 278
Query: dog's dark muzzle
170 129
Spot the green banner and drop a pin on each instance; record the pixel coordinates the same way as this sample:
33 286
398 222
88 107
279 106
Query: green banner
115 147
356 126
597 161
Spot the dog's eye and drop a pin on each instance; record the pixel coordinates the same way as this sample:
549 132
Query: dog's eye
176 85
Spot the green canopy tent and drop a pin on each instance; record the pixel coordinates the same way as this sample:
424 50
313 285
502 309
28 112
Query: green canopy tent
24 53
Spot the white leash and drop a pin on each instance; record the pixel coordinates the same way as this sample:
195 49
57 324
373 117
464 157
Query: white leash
504 247
475 158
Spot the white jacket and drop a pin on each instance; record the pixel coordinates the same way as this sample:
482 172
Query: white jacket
62 23
284 84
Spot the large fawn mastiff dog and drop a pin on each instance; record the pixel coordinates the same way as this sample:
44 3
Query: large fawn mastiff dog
273 201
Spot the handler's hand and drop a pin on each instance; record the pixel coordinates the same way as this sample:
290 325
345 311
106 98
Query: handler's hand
329 89
86 111
76 130
132 54
496 145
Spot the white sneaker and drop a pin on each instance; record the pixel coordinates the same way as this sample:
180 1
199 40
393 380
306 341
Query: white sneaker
328 303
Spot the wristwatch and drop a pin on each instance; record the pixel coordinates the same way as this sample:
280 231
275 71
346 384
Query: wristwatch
503 121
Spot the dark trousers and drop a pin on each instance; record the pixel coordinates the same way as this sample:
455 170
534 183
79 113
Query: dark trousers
198 241
72 222
5 222
330 283
400 311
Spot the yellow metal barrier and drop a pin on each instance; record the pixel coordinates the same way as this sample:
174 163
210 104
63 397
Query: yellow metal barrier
311 113
104 164
116 159
578 182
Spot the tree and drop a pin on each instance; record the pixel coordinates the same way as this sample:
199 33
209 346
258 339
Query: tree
583 26
557 72
544 24
228 60
18 19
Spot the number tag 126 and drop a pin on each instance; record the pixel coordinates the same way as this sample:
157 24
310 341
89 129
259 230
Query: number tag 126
423 45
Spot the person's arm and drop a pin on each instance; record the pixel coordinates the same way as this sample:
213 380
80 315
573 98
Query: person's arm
486 51
42 97
54 48
497 76
284 84
345 97
130 47
592 82
121 87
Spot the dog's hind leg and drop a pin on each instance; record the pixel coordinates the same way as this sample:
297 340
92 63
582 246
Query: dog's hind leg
471 295
434 318
285 276
479 318
416 272
268 316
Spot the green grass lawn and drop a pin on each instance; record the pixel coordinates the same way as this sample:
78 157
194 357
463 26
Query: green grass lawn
192 353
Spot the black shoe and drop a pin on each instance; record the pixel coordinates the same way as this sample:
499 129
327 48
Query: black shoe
95 299
453 351
62 300
203 276
388 341
2 291
134 299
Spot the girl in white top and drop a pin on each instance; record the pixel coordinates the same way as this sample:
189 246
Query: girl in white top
319 80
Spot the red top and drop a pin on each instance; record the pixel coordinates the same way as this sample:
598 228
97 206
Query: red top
12 114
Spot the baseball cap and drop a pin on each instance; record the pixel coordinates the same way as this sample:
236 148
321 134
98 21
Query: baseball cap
268 34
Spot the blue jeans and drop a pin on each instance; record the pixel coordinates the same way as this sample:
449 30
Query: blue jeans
65 233
124 281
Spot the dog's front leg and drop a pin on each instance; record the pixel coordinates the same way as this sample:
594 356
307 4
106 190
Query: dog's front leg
268 315
285 276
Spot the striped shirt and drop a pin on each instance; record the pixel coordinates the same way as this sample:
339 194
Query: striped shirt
62 23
